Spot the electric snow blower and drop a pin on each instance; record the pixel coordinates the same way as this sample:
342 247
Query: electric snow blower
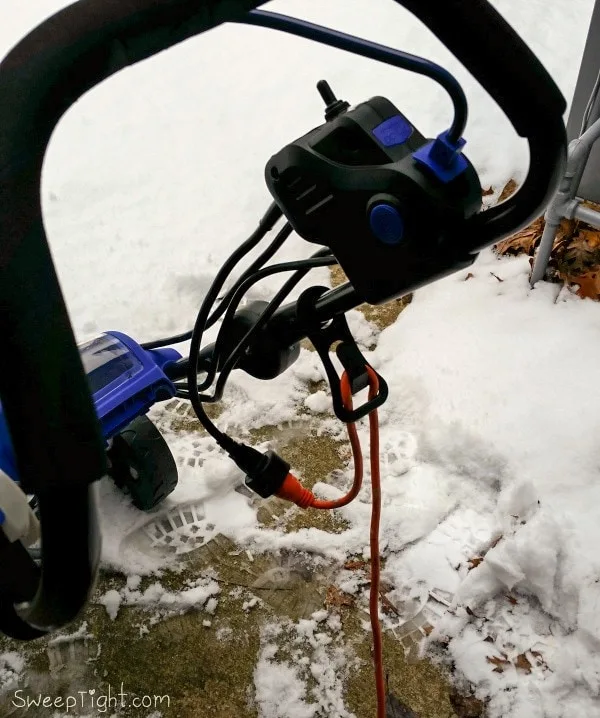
357 186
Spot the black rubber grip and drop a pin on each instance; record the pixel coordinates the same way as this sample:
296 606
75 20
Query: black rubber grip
496 56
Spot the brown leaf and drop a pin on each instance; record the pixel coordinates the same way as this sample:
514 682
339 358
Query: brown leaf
470 275
466 706
475 562
522 662
427 629
539 659
589 284
335 597
591 237
385 587
509 189
387 606
354 565
576 251
523 242
487 192
498 662
511 599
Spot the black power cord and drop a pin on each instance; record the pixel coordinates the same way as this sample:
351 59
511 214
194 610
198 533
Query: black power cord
323 258
252 271
266 224
259 262
244 456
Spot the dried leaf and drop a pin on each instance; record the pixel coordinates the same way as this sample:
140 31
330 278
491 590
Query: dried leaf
466 706
591 237
522 662
385 587
523 242
487 192
395 709
470 275
509 189
511 599
499 662
335 597
589 284
427 629
539 659
354 565
387 606
475 562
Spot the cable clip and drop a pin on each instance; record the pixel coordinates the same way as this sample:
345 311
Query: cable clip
355 364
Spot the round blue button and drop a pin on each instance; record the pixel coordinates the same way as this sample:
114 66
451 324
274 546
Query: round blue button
386 223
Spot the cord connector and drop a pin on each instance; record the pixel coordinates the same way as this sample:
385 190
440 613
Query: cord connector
265 473
292 490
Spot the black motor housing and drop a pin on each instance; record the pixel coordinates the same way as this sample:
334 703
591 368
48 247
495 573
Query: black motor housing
353 185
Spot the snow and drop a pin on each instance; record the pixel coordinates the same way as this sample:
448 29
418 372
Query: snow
502 374
489 439
78 635
158 598
12 665
319 402
281 681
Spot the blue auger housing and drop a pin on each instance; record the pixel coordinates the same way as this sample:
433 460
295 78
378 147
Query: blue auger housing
125 381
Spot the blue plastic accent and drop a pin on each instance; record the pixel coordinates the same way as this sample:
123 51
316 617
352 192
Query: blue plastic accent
394 131
443 157
120 402
386 223
127 381
2 517
7 457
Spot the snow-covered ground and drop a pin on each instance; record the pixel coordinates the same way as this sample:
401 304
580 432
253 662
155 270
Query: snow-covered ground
491 429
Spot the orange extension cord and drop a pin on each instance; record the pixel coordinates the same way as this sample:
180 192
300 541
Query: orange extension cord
292 490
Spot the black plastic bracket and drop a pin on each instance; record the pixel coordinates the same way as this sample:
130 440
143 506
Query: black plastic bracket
323 337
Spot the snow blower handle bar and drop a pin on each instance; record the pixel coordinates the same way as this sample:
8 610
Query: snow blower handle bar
496 56
514 77
45 397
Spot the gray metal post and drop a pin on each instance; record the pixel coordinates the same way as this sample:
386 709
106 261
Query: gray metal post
565 203
582 176
589 187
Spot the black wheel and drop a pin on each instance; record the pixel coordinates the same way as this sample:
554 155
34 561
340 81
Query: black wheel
141 463
13 626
